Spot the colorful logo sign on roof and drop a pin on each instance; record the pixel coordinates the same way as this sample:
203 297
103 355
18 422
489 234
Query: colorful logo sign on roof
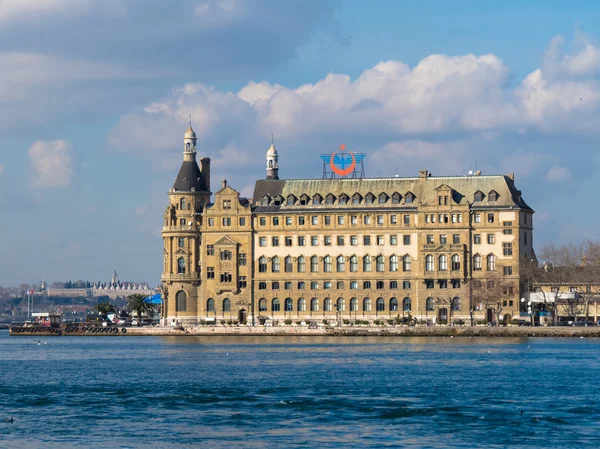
342 163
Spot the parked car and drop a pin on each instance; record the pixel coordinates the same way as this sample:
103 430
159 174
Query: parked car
584 323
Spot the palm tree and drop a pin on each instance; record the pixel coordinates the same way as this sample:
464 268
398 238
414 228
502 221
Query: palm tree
138 303
104 308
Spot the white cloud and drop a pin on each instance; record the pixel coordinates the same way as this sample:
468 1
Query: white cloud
52 163
558 174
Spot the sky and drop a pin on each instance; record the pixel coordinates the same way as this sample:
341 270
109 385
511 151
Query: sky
95 97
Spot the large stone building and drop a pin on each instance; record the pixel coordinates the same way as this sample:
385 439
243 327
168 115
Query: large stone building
361 248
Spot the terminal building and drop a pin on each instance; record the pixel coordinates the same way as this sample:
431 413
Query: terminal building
343 247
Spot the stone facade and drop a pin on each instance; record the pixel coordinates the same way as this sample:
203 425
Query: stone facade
327 249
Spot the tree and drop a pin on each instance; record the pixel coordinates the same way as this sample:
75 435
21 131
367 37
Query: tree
104 308
139 304
491 291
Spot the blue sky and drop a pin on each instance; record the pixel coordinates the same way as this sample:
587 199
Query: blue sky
95 95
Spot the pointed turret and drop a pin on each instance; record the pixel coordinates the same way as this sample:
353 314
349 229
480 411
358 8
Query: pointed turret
272 162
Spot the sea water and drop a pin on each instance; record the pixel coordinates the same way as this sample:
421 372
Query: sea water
273 392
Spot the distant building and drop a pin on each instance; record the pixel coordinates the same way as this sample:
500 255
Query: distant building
351 248
113 289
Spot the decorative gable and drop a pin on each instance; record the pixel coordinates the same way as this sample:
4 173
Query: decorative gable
225 241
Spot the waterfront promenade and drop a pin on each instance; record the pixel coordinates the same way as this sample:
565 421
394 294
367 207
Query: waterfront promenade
373 331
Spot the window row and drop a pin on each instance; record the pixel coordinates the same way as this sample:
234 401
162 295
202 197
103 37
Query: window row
339 220
328 285
328 305
227 221
442 262
327 263
328 240
343 199
443 218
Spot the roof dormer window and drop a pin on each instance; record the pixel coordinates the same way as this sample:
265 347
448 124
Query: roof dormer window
291 200
383 198
409 198
343 199
395 198
369 198
478 196
356 198
265 200
317 200
304 199
493 196
329 199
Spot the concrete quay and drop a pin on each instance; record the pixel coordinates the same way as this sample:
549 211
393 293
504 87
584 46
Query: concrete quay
371 331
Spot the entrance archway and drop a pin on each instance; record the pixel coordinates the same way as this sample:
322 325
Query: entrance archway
490 315
242 316
443 316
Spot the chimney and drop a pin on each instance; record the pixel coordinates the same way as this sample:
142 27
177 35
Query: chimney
511 177
424 174
205 170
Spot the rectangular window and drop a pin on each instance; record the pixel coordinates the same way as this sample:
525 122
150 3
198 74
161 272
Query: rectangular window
507 249
508 271
275 221
181 242
242 259
210 272
353 240
406 285
275 241
477 218
507 231
242 221
366 240
456 239
380 285
491 239
477 239
226 221
327 240
443 239
380 220
427 219
226 204
242 282
380 240
340 240
327 220
429 284
507 224
210 250
182 222
288 221
490 218
393 219
406 219
288 241
443 283
262 221
226 255
314 220
262 241
211 221
301 241
354 220
301 221
406 239
455 283
430 239
393 239
367 219
340 219
314 240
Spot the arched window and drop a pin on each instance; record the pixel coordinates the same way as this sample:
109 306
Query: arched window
275 285
183 203
327 305
367 263
340 264
429 262
406 263
270 163
289 305
366 285
327 264
491 262
455 262
353 305
406 304
301 305
380 305
456 303
476 262
393 285
429 304
301 285
262 305
327 285
314 305
275 306
181 265
341 305
275 264
181 301
380 266
314 285
301 265
287 264
353 264
367 305
394 263
187 146
262 264
210 305
443 262
314 264
393 305
226 305
262 285
340 285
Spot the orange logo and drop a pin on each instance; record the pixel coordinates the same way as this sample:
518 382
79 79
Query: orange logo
343 163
